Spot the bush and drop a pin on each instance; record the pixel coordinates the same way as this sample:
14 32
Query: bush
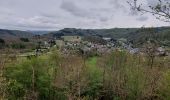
31 77
18 46
24 39
2 43
117 76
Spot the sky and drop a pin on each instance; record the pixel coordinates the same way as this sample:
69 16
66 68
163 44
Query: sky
86 14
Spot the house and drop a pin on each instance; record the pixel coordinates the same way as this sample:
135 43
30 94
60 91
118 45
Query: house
161 52
107 39
134 51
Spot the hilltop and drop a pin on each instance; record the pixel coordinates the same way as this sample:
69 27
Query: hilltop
14 35
114 33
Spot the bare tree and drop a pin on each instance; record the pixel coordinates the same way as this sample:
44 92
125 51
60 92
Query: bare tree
72 77
161 10
150 45
150 49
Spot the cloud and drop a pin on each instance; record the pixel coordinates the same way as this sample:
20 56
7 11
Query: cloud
91 13
58 14
73 9
78 11
142 18
117 4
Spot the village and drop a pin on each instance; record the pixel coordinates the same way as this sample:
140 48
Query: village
76 44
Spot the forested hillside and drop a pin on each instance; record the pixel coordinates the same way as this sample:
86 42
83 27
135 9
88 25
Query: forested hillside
114 33
10 35
162 35
16 39
131 34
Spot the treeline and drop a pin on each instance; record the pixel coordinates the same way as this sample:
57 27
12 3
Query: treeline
24 43
116 76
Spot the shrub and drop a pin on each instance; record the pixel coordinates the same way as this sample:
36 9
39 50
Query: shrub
24 39
116 76
29 78
2 41
18 46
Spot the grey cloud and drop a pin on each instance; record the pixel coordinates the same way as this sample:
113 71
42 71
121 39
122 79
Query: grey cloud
118 5
104 19
58 14
91 13
142 18
72 8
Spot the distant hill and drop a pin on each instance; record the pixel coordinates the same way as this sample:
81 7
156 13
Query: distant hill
161 34
39 32
114 33
16 39
131 34
14 35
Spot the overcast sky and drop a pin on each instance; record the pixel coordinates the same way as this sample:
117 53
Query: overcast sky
58 14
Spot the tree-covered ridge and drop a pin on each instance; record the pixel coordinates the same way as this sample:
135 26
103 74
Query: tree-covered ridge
14 33
162 35
16 39
114 33
131 34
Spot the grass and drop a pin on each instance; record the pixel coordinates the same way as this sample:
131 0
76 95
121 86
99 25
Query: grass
92 65
92 61
93 70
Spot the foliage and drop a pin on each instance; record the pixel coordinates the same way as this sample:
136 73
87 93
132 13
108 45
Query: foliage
21 79
159 35
24 39
18 46
116 76
2 43
94 39
94 74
